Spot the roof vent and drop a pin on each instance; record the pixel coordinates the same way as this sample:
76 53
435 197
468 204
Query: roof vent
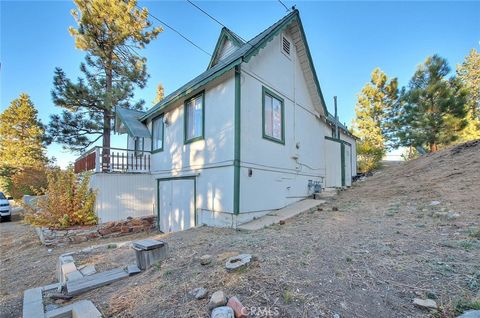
285 45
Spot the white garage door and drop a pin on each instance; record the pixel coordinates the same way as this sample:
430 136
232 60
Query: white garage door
176 204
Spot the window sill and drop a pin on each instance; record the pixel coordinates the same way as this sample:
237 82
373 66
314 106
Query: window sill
189 141
157 150
278 141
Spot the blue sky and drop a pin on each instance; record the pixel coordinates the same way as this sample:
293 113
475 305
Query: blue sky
347 41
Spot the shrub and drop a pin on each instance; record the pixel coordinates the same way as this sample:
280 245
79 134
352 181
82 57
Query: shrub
68 201
369 156
29 181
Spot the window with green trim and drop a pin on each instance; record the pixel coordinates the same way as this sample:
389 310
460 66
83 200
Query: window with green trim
138 146
157 134
194 117
273 113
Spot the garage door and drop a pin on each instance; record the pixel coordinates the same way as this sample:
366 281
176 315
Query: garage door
176 204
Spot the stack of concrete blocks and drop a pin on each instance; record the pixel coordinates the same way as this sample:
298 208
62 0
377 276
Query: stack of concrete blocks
68 271
149 252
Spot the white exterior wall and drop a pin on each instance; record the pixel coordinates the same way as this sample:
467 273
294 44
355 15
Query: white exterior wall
120 195
277 179
210 159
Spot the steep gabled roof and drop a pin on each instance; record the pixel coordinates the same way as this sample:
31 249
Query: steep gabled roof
244 53
225 34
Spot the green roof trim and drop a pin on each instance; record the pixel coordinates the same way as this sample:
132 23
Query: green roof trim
224 34
244 53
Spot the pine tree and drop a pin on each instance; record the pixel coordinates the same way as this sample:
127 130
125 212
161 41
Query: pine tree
160 94
111 32
469 75
432 110
21 145
22 134
374 103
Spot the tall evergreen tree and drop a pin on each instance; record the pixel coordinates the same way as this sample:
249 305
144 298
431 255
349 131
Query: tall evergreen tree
111 32
374 103
160 94
469 75
432 110
21 144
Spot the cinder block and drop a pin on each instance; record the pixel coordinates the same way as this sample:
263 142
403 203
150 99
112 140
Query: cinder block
33 303
146 258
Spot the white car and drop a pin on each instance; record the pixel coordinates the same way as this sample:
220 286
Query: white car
5 212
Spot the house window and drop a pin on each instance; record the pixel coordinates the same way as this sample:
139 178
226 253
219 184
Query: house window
273 117
285 46
194 118
138 146
157 134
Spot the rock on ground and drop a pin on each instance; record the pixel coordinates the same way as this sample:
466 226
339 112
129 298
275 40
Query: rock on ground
223 312
237 262
217 299
470 314
206 259
425 303
199 293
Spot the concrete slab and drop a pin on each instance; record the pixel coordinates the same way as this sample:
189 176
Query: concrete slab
285 213
79 309
88 269
85 309
133 269
33 303
50 287
87 283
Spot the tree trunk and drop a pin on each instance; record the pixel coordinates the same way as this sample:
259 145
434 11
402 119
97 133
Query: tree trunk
107 117
433 147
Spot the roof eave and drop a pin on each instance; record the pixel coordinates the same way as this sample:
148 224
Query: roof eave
190 90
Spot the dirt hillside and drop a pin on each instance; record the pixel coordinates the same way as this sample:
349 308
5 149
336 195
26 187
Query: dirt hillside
412 230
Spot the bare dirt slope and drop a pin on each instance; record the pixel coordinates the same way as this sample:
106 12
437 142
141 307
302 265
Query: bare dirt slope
411 230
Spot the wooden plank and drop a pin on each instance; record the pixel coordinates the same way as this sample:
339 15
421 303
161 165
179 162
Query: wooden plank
94 281
33 303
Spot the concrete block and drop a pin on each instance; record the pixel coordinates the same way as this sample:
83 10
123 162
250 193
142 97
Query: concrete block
88 270
50 287
79 309
87 283
33 303
76 275
85 309
133 269
147 257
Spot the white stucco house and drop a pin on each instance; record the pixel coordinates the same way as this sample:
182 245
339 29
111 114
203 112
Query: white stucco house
249 135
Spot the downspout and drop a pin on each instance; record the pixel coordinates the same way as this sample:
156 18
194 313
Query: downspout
237 135
336 117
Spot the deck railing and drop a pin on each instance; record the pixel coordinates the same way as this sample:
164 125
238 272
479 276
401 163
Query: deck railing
103 159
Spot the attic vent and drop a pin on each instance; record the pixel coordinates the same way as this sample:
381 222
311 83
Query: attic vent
285 45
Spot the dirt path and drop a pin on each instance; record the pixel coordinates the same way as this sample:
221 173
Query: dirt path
388 243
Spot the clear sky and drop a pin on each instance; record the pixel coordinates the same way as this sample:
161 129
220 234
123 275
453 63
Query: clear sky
347 41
